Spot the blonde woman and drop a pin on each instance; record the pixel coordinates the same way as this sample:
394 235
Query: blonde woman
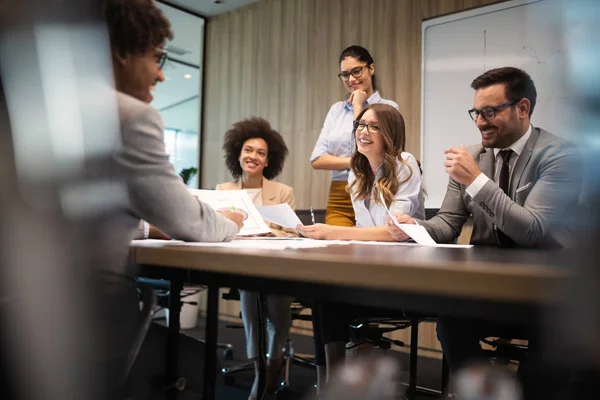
379 169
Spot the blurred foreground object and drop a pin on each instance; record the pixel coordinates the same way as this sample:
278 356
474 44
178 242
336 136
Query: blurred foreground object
60 312
486 382
366 378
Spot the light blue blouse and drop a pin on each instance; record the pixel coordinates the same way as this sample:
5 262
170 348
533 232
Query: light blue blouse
408 200
336 135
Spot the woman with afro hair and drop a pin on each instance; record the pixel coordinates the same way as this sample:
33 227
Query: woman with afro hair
254 154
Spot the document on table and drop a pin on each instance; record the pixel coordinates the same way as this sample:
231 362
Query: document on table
418 233
238 201
246 244
280 214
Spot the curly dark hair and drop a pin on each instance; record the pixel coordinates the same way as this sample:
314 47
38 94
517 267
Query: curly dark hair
251 128
135 26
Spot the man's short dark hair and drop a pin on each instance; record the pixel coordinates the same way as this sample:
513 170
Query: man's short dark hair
136 26
254 127
517 82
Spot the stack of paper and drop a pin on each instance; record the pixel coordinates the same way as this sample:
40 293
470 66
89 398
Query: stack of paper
238 201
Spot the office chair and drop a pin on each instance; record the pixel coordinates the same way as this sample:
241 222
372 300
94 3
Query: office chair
162 290
372 330
291 357
296 309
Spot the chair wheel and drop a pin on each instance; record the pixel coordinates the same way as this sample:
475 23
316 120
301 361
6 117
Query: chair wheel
228 354
180 384
228 380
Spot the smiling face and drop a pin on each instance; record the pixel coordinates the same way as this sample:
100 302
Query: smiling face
254 157
138 74
364 81
369 144
509 124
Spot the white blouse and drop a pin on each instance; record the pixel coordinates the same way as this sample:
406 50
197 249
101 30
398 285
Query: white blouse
256 196
407 200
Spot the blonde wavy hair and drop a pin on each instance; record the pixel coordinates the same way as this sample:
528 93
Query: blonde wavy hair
392 132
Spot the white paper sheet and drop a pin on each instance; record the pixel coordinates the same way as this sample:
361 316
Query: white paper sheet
248 244
418 233
280 214
236 200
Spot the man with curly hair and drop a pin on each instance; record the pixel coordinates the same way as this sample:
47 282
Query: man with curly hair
138 31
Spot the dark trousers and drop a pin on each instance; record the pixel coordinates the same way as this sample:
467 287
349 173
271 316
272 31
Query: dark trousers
460 342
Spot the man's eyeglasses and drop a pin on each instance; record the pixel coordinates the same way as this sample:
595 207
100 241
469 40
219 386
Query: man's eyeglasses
488 113
355 72
162 59
360 125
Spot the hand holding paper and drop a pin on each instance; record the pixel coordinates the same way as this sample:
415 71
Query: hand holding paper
280 214
407 226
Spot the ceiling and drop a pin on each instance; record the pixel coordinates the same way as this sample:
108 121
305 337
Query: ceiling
208 8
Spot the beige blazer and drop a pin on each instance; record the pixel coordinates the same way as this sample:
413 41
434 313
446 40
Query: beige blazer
272 193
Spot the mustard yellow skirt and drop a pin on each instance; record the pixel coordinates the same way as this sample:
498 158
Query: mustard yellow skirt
339 206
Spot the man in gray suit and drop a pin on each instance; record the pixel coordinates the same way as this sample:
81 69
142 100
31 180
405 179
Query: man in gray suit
138 30
521 185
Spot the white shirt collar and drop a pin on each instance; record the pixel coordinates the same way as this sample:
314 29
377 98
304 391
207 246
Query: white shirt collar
517 146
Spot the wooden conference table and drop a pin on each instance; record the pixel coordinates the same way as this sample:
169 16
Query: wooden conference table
483 282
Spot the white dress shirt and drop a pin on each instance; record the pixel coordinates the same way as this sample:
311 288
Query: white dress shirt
517 147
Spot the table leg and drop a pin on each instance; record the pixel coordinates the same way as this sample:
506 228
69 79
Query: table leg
262 348
172 356
413 357
210 356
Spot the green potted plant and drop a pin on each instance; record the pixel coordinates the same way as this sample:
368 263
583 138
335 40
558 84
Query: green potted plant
187 174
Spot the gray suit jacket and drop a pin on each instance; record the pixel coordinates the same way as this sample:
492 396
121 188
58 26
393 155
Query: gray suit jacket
541 208
156 193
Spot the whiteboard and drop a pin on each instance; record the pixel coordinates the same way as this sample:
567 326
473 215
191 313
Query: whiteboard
526 34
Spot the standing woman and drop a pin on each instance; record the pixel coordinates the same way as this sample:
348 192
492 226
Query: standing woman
254 153
336 142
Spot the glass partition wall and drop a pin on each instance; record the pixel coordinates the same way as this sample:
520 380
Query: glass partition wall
179 97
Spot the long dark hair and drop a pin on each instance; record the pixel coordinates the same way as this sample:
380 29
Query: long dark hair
361 54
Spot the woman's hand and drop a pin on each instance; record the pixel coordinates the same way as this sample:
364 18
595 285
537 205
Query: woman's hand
398 234
357 99
316 231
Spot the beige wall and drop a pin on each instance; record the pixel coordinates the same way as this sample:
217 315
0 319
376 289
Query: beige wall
278 59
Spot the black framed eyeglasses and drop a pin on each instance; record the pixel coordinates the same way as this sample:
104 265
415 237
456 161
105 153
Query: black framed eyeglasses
360 125
162 59
355 72
488 113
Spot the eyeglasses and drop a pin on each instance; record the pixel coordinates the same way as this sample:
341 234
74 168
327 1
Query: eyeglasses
488 113
355 72
360 125
162 59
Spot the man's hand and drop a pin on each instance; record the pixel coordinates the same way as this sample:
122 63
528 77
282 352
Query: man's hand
460 165
316 231
357 99
235 217
156 233
398 234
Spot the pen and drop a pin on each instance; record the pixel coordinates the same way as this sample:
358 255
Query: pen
312 216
